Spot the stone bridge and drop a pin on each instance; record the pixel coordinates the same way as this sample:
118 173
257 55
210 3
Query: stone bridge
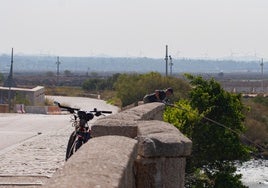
133 148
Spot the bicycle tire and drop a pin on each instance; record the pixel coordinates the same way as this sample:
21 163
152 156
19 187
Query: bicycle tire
70 146
75 143
78 143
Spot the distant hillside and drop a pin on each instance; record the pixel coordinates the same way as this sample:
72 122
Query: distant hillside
27 63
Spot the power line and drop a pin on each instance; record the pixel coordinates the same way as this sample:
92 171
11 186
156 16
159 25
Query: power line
222 125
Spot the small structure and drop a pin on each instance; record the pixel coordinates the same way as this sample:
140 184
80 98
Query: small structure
34 96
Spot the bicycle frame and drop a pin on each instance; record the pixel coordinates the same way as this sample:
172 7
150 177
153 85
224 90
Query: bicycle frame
81 134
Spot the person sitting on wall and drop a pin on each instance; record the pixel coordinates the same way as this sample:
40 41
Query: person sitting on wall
158 96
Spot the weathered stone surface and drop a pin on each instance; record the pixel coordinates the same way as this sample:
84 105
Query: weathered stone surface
104 127
105 161
148 111
160 172
154 126
157 138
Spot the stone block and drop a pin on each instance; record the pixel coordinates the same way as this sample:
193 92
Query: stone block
106 126
36 109
160 172
157 138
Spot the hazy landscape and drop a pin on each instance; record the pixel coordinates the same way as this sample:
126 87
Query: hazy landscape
45 63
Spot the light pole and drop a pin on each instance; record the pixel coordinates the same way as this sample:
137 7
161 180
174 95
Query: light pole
10 82
262 75
58 69
170 64
166 59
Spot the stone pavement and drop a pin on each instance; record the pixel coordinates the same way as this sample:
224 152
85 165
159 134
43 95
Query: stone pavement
32 162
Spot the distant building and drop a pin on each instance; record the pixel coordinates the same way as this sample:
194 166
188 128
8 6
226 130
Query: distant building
35 96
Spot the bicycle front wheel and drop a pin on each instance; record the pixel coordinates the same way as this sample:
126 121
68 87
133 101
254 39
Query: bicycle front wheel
70 146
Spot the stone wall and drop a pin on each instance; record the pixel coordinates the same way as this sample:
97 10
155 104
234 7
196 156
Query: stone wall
133 148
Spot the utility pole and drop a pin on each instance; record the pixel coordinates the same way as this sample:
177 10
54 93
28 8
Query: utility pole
170 64
262 75
10 82
166 59
58 69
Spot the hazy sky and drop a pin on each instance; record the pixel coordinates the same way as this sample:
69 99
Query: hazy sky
134 28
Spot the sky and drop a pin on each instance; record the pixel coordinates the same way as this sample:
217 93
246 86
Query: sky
135 28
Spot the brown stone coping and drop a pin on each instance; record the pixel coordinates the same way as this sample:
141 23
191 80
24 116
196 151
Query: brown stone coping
155 138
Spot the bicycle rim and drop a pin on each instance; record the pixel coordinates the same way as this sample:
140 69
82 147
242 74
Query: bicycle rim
70 145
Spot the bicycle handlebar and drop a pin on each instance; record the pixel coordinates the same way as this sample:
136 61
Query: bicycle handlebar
98 111
72 110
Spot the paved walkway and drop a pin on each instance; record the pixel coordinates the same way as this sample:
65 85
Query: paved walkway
33 161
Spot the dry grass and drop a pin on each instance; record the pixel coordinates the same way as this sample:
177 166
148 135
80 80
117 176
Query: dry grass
257 122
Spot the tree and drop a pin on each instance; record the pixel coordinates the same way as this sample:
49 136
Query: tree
127 88
215 147
67 73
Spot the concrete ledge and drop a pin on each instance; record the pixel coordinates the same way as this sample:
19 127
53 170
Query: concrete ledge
105 161
35 109
157 138
42 110
104 127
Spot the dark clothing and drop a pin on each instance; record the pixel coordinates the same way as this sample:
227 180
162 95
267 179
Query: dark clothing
152 97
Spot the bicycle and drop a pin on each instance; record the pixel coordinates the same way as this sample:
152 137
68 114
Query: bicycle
79 120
